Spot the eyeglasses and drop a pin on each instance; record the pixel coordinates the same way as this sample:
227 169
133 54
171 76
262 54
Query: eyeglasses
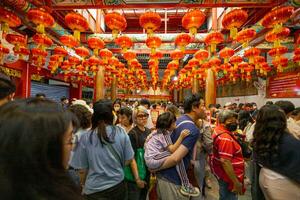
142 116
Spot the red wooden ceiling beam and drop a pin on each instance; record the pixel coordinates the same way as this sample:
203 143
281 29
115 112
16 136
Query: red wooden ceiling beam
148 51
169 5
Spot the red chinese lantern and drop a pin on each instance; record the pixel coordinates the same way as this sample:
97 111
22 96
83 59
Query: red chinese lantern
77 23
280 63
61 52
214 63
115 22
153 62
150 21
235 60
226 53
42 40
251 53
52 66
105 54
213 39
73 61
124 42
113 62
276 17
296 59
156 56
277 52
95 43
69 41
242 66
8 19
82 51
201 55
225 67
129 55
176 55
234 20
41 18
22 52
16 40
94 62
38 57
258 60
245 36
277 37
193 20
193 63
153 43
182 40
80 70
266 68
3 52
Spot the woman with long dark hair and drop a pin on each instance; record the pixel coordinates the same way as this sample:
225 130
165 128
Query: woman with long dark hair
277 151
103 152
35 145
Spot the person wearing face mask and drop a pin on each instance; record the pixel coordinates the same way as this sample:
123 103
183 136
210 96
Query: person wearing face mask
116 110
227 161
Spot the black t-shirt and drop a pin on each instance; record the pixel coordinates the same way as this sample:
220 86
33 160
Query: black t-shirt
138 137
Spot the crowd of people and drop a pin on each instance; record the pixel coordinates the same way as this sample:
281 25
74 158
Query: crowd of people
137 150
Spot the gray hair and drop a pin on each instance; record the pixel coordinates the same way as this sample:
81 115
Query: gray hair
137 110
226 114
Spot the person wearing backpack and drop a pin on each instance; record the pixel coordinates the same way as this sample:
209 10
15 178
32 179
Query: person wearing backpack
227 160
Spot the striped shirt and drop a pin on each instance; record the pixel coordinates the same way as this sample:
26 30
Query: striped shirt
226 147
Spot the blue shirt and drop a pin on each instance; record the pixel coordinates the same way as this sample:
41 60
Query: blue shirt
189 142
104 170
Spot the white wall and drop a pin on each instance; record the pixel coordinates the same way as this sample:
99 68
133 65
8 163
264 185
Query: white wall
258 99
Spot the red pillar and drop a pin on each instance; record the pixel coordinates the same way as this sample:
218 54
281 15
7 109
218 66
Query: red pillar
25 80
76 91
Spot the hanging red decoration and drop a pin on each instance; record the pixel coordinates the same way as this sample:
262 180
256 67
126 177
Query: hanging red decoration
22 52
213 39
242 66
235 60
226 53
153 43
214 62
105 54
95 43
16 40
82 51
156 56
41 18
201 55
69 41
280 63
276 17
251 53
77 23
61 52
234 20
258 60
124 42
42 41
193 20
115 22
94 62
176 55
113 62
277 52
245 36
8 19
38 57
129 55
225 67
150 21
182 40
276 38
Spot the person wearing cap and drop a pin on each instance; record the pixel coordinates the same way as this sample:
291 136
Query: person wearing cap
7 89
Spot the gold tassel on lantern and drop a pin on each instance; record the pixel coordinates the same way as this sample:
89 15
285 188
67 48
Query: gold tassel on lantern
233 33
77 35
